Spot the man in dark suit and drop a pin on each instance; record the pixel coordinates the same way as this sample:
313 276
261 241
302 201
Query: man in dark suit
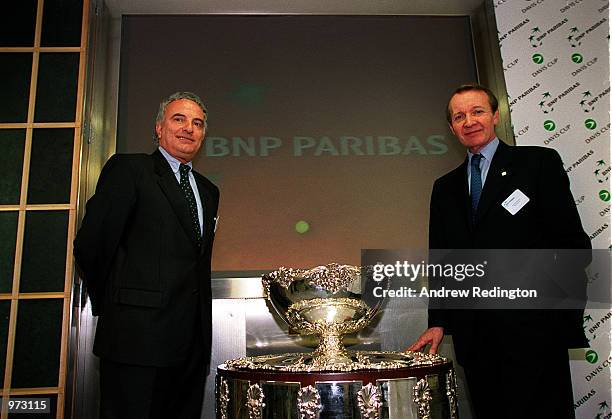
515 361
144 252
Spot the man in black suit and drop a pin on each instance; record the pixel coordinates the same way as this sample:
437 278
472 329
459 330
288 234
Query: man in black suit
144 252
515 361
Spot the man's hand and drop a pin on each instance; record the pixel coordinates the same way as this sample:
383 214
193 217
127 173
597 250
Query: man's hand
432 336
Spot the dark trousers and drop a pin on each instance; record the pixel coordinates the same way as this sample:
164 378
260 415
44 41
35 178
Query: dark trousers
147 392
522 384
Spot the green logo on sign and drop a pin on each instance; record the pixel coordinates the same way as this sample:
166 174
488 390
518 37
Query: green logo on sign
591 356
577 58
549 125
248 94
537 58
604 195
590 123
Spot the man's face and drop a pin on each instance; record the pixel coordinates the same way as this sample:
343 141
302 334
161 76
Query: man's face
472 119
181 132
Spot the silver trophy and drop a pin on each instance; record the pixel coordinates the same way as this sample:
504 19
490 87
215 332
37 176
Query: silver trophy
325 301
331 301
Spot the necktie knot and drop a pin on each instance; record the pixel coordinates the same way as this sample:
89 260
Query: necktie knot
184 169
476 160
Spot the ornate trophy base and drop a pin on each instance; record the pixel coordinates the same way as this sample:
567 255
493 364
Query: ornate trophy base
407 385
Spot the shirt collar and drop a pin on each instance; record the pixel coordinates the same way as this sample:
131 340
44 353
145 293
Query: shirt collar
172 161
487 151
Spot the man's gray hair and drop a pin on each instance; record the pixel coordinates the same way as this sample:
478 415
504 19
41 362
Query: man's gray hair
178 96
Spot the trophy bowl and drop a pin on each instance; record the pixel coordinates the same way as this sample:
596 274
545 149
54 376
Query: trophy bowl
326 301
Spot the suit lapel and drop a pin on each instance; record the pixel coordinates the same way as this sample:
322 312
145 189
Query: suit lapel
500 172
170 187
205 198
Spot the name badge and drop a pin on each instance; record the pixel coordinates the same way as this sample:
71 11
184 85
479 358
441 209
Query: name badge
515 202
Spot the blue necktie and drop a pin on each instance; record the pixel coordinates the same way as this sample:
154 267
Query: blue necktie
475 183
190 197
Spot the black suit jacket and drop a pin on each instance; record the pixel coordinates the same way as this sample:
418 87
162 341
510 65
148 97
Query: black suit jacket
148 280
549 220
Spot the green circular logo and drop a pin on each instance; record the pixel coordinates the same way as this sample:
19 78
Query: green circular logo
537 58
549 125
577 58
591 356
604 195
302 227
590 123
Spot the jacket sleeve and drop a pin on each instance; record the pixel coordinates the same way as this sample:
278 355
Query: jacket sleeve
106 216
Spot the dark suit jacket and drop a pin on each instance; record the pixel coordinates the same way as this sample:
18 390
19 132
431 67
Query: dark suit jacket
148 280
548 221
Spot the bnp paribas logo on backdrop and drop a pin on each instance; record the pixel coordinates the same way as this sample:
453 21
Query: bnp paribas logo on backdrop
577 58
604 195
549 125
535 38
586 104
545 109
602 173
572 37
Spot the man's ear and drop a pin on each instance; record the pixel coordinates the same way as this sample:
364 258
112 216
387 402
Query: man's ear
158 129
450 126
496 117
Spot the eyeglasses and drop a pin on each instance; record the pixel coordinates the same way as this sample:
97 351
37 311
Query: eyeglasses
476 113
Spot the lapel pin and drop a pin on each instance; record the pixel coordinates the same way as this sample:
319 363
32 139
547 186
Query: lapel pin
504 173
